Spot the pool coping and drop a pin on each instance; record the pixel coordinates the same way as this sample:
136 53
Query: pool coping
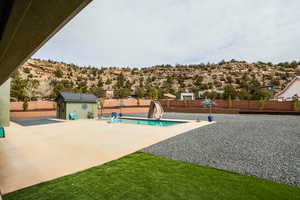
172 120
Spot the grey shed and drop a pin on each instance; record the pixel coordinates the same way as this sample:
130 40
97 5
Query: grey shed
83 105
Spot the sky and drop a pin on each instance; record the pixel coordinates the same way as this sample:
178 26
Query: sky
139 33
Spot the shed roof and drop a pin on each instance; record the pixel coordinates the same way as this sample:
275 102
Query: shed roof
77 97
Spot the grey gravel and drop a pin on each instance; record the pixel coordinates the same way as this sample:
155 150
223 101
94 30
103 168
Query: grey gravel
262 146
34 121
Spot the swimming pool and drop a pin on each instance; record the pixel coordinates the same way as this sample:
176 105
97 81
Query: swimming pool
149 122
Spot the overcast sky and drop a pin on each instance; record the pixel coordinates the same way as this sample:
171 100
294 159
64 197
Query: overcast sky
148 32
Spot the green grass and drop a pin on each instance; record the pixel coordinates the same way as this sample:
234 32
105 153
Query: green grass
144 176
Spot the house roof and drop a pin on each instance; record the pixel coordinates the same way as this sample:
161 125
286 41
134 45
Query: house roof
77 97
171 96
287 87
26 25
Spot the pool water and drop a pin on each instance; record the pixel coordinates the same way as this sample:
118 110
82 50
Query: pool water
149 122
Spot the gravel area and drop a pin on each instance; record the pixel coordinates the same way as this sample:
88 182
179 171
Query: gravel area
262 146
34 121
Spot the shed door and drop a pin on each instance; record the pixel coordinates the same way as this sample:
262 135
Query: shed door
61 110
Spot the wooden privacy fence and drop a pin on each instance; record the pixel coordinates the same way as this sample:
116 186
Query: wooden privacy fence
51 105
223 106
33 105
48 108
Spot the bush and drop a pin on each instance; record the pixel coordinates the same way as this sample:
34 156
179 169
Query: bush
25 104
140 92
295 104
101 104
229 91
26 70
122 92
90 115
229 101
261 104
244 95
58 73
262 94
168 103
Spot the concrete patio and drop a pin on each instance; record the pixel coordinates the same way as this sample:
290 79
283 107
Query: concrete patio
35 154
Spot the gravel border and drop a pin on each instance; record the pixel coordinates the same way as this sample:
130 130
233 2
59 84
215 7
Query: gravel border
262 146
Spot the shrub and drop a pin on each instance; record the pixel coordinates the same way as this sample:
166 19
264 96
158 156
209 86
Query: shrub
90 115
262 94
244 94
101 104
26 70
229 91
58 73
229 101
295 104
261 104
275 82
138 102
25 104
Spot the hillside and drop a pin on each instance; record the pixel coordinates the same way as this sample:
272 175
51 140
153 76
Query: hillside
43 79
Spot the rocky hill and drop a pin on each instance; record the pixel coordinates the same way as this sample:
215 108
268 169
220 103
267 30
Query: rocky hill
41 79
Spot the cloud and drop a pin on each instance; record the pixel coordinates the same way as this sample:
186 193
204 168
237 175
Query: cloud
142 33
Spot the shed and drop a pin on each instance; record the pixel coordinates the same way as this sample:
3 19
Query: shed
83 105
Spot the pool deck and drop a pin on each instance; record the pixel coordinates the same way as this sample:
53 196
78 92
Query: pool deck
34 154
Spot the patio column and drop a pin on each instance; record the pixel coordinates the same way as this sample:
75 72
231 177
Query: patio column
4 103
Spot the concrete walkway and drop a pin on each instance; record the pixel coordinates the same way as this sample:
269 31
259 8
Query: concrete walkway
35 154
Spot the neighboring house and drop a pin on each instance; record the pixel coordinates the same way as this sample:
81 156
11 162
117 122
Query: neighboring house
186 96
169 96
292 90
80 104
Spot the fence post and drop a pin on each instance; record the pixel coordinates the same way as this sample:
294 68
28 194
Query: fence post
168 103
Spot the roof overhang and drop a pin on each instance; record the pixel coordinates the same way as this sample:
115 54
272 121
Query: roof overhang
25 25
5 9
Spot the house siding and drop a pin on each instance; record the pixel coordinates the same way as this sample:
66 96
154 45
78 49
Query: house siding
4 103
82 113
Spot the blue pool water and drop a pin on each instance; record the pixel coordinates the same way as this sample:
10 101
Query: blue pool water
148 122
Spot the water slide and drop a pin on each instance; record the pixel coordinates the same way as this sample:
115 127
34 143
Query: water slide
156 111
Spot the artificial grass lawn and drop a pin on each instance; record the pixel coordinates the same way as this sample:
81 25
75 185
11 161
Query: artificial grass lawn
145 176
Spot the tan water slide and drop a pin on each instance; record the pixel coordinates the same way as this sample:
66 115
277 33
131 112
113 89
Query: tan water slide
156 111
